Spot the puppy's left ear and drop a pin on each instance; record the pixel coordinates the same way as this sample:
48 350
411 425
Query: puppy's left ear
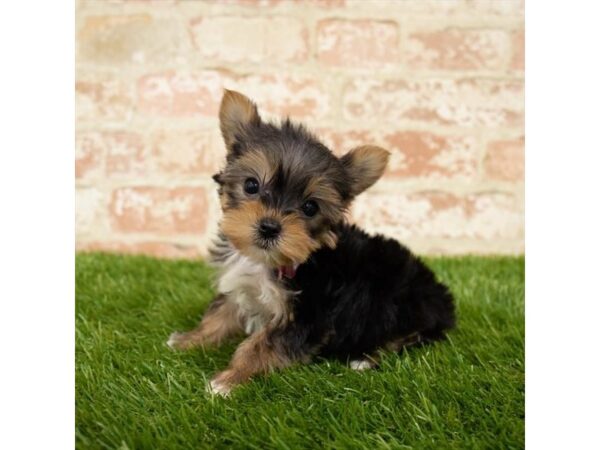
237 112
364 166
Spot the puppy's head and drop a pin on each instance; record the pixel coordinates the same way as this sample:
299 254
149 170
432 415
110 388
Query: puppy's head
282 191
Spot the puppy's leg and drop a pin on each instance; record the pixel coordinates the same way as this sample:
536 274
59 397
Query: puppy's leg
400 343
260 353
218 323
396 345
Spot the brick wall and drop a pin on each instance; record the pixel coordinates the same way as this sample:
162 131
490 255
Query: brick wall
438 83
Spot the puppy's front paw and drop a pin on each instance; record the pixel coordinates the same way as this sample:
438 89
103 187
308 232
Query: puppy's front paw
180 341
221 384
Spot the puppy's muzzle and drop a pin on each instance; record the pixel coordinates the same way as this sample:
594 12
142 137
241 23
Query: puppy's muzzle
269 229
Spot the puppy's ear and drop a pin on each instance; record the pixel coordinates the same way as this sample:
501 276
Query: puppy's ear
364 166
237 112
217 178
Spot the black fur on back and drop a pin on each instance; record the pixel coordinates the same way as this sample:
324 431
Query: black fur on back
367 292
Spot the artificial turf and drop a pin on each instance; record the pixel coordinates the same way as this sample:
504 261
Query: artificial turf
133 392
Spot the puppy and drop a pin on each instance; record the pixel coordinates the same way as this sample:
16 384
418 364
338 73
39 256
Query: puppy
293 275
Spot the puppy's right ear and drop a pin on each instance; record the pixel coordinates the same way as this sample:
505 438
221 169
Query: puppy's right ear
236 114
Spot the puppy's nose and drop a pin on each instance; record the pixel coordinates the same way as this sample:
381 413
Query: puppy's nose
269 228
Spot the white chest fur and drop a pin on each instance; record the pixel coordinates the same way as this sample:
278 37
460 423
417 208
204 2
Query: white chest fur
259 297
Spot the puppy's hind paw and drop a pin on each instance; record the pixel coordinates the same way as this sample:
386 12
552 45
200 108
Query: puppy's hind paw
361 364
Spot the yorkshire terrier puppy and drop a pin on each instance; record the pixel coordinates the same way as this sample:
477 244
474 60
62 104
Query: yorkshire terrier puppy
294 276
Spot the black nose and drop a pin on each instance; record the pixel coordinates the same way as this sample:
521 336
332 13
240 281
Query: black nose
269 228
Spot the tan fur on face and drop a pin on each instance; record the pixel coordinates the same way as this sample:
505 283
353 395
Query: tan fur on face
239 224
293 247
256 162
295 243
329 239
319 188
365 165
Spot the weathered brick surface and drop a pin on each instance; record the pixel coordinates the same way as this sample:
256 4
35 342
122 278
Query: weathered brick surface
464 102
517 61
440 84
157 209
457 49
102 97
128 154
181 94
414 154
189 94
498 7
357 42
288 95
187 152
131 39
505 160
486 216
89 155
274 39
90 211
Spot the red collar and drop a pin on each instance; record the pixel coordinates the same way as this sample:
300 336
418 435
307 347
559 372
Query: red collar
286 271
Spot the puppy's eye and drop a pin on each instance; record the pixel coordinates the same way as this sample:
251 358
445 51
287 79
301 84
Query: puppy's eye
310 208
251 186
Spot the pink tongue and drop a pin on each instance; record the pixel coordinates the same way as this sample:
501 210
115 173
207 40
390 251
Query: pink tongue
286 271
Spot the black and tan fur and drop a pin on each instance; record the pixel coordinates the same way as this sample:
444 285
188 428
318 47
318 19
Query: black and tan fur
293 275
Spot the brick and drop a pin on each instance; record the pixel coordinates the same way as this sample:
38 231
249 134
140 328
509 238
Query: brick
363 43
414 154
187 152
135 39
249 3
504 8
156 249
153 3
438 9
102 96
124 154
287 95
89 155
485 216
341 141
185 94
426 155
426 8
327 3
466 102
457 49
517 61
165 152
118 153
276 3
90 205
181 94
250 39
505 160
159 210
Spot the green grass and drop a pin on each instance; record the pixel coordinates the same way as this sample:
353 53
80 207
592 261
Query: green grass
133 392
